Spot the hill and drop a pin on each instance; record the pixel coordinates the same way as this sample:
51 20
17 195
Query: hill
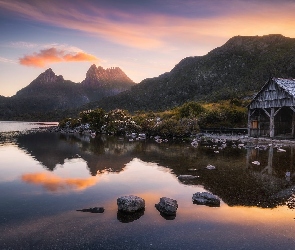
237 69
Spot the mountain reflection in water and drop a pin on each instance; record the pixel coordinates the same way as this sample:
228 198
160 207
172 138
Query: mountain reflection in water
236 179
46 177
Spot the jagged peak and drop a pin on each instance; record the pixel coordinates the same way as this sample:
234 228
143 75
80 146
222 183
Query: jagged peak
98 71
48 70
92 68
98 76
49 76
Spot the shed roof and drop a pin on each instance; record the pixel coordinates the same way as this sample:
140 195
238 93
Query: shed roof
276 92
287 84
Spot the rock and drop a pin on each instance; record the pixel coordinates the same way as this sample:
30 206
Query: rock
142 136
281 150
167 206
130 203
210 167
256 163
187 177
92 210
206 198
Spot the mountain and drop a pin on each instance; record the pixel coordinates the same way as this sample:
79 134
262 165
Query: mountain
237 69
108 78
50 93
100 82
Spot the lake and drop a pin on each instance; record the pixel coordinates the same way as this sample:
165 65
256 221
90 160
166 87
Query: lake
45 177
12 126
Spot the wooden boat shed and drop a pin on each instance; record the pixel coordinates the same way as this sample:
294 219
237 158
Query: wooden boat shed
271 113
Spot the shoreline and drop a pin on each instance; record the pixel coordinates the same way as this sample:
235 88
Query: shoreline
201 137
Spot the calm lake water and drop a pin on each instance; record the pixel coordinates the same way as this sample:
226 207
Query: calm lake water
10 126
46 177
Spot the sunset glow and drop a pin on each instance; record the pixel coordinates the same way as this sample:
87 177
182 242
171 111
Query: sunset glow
144 39
55 183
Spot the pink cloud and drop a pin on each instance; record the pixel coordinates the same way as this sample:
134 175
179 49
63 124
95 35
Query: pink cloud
53 55
159 31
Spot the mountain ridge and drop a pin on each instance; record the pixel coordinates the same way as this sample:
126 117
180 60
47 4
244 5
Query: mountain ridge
236 69
49 92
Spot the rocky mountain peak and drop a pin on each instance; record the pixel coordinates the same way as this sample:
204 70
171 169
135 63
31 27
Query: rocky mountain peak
100 77
48 76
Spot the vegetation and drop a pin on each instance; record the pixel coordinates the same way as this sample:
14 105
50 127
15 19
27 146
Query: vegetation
181 122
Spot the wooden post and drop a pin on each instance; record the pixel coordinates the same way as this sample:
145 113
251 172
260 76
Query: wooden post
248 157
292 159
249 122
258 120
293 124
272 123
270 159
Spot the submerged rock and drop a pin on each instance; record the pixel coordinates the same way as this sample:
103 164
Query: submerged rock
192 169
187 177
210 167
256 163
167 206
92 210
130 203
206 198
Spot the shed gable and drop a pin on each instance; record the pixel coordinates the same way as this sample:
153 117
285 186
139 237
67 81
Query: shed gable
275 93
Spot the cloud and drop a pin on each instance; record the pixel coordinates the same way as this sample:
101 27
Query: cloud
5 60
22 44
178 23
54 183
54 55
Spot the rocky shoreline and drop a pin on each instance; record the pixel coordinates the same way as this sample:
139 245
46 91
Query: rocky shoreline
11 135
194 139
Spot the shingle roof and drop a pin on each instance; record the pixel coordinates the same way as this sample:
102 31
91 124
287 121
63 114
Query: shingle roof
287 84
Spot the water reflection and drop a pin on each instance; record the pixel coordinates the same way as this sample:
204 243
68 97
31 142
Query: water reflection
53 149
168 217
47 219
55 183
129 217
236 180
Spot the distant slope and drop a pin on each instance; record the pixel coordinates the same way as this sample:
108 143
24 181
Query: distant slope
236 69
49 95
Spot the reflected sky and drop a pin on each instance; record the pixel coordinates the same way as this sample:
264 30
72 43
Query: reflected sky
39 203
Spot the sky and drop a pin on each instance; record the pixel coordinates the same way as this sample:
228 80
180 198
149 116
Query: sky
145 38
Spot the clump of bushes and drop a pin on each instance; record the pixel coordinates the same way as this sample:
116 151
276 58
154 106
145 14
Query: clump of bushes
230 114
178 122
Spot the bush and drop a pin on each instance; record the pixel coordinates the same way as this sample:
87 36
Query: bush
96 118
191 109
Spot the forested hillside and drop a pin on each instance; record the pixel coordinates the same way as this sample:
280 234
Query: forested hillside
237 69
